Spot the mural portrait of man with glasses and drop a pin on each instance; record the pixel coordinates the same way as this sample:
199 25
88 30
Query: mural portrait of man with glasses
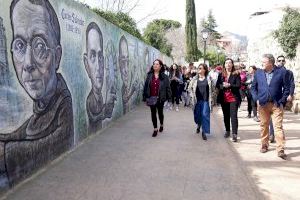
36 54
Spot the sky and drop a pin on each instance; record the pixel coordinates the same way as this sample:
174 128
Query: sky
230 15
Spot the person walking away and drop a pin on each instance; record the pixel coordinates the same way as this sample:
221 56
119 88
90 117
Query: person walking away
229 83
200 88
270 89
156 92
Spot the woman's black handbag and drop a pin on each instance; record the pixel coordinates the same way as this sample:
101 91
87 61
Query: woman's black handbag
151 101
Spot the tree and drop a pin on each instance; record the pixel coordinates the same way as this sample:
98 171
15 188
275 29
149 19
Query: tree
121 20
214 58
211 24
176 37
191 32
114 5
121 6
288 34
155 32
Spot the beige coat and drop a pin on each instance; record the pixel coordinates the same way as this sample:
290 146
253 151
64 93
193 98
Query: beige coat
192 90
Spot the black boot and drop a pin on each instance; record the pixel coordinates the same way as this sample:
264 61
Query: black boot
234 137
198 129
227 134
161 128
154 133
204 136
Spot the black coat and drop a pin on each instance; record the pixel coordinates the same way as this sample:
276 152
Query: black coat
164 92
235 84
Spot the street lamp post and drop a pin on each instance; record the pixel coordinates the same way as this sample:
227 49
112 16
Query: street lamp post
205 33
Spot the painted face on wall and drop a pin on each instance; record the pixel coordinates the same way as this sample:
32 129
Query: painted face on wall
35 54
94 60
124 59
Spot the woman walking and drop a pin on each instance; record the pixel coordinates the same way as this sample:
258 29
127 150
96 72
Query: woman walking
200 88
186 81
229 83
252 105
156 92
175 80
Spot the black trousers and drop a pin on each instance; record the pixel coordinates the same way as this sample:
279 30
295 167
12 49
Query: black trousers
252 106
175 92
230 114
159 107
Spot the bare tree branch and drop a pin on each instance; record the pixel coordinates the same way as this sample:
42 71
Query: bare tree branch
102 5
153 12
136 4
113 6
128 7
122 6
107 5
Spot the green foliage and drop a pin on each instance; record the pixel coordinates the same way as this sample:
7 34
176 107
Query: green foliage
214 58
121 20
288 34
211 24
155 32
191 32
211 21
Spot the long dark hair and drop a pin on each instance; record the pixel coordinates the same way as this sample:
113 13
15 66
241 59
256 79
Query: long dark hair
177 72
253 67
162 68
205 68
233 71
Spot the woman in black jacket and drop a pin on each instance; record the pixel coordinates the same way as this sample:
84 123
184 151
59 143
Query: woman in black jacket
229 83
156 92
175 80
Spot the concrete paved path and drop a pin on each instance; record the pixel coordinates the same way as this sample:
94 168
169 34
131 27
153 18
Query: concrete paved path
276 178
125 163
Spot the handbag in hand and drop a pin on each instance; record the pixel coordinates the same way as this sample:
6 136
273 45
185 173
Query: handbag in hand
151 101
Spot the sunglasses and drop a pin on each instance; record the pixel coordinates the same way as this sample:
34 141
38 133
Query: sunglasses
280 60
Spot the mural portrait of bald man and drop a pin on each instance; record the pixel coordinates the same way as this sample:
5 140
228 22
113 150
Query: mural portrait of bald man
97 109
128 87
36 54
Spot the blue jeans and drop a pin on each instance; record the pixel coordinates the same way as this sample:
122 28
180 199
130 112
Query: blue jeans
202 115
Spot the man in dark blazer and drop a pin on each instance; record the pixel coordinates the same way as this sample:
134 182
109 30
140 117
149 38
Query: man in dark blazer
270 89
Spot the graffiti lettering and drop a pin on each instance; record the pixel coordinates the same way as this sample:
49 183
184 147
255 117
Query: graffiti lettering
70 16
72 20
72 28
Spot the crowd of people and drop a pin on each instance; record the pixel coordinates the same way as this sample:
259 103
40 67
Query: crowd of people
267 90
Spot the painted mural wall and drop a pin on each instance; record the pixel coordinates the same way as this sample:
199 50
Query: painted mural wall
65 73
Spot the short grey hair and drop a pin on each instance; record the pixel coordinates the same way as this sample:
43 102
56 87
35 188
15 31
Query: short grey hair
270 57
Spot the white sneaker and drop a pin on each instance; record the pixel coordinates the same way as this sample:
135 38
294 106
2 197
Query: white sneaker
177 109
